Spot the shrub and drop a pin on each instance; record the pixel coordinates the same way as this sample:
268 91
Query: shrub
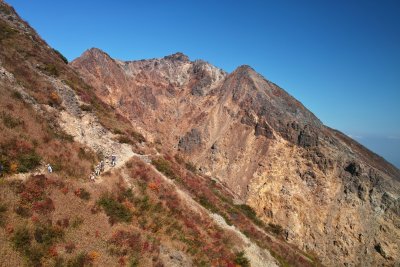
54 99
133 261
28 161
76 222
45 206
275 228
80 260
9 121
6 31
47 234
50 69
86 107
191 167
250 213
70 247
61 56
21 239
115 210
164 167
137 136
242 260
3 210
207 204
34 256
23 211
82 193
16 95
125 139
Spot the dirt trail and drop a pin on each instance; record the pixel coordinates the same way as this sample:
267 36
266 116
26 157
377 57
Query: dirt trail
257 256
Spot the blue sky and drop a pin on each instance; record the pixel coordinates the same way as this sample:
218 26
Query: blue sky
341 59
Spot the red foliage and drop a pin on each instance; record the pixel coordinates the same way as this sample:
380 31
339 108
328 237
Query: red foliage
34 218
122 261
146 246
64 190
43 207
53 251
70 247
63 223
126 239
153 186
34 188
9 229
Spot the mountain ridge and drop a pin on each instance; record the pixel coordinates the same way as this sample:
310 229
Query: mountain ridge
265 146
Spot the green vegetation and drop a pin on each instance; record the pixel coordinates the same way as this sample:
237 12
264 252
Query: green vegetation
83 194
164 167
9 121
28 161
275 228
134 261
21 239
242 260
250 213
16 95
47 234
137 136
207 204
3 210
191 167
61 56
81 260
50 69
6 31
76 222
115 210
85 107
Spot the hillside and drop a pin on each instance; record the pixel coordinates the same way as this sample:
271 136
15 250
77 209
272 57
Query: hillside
154 208
331 196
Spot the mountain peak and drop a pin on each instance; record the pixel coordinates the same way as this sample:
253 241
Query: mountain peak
94 51
178 56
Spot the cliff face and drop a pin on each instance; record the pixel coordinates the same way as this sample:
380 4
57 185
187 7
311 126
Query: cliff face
331 196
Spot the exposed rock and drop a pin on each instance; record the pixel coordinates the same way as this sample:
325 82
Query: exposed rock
178 56
190 141
353 168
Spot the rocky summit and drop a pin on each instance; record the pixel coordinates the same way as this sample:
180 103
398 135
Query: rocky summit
174 162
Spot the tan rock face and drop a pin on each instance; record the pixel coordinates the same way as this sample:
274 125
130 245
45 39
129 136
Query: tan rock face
333 197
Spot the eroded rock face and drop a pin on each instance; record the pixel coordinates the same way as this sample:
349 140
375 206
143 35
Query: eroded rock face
331 196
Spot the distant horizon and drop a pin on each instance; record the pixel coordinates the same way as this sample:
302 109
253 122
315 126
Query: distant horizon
340 59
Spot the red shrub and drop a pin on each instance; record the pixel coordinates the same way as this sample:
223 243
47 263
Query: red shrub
53 251
64 190
43 207
70 247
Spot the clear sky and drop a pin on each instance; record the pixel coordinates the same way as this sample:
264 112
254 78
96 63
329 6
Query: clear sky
340 58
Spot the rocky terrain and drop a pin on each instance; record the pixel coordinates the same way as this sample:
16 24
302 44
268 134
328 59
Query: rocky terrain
331 196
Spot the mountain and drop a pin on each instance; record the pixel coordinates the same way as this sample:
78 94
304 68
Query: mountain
213 168
153 208
331 196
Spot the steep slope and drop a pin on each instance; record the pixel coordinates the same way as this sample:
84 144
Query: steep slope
330 195
137 213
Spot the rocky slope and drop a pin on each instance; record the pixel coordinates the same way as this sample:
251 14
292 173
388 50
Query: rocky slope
331 196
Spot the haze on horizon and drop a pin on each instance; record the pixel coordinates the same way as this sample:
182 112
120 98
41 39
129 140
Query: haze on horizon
340 59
